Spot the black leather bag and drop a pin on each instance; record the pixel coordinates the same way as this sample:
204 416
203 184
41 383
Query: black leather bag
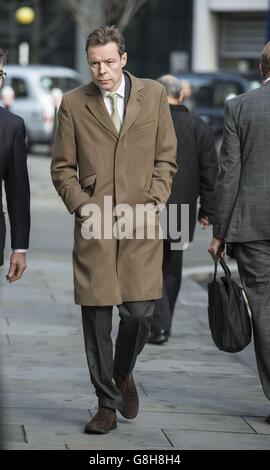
228 312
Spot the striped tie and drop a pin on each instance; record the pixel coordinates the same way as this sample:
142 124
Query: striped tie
115 115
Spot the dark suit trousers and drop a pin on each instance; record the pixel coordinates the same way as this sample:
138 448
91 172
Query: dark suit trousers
253 260
134 328
172 278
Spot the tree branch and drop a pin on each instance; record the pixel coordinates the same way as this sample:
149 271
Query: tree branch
75 10
89 14
130 10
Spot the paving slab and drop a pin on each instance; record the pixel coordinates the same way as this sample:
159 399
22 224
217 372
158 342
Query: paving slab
39 329
73 434
258 424
113 445
13 432
65 416
204 440
196 422
41 446
121 439
46 400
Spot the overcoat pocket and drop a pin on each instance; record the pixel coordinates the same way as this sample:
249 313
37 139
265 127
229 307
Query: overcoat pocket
88 184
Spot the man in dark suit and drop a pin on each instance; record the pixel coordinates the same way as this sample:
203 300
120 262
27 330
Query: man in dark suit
13 171
242 205
198 167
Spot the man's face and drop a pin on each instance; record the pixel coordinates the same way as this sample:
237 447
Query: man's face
106 66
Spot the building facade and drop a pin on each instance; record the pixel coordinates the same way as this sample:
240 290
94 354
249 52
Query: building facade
229 34
159 38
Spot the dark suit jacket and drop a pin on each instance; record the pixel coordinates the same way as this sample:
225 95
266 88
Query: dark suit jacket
13 171
197 166
242 193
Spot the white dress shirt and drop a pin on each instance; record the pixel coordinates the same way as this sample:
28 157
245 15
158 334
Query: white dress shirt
120 102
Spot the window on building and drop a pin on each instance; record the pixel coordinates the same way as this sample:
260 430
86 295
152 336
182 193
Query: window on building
242 38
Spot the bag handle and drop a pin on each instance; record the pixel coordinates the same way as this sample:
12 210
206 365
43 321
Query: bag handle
224 267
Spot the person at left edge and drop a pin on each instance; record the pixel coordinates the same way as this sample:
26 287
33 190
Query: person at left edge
13 171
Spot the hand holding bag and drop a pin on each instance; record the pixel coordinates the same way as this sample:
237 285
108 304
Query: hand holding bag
228 312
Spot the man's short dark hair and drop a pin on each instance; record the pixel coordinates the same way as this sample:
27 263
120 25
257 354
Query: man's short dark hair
3 56
103 35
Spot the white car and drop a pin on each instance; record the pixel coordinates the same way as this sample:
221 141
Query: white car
33 98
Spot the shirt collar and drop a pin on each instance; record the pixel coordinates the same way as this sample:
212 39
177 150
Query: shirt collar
120 90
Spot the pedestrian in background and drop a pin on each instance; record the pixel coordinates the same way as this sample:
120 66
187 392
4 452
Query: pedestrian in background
197 171
13 171
242 205
117 131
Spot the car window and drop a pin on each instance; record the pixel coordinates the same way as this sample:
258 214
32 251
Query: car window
202 96
198 90
64 83
225 90
212 92
20 87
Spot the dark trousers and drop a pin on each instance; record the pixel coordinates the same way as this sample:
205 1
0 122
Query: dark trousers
253 260
134 328
172 278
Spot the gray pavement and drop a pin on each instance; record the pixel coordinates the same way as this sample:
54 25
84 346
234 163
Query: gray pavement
192 396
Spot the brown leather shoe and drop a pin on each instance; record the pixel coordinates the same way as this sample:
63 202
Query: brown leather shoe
130 396
103 422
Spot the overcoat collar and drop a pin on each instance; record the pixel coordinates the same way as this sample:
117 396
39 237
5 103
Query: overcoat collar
179 108
96 106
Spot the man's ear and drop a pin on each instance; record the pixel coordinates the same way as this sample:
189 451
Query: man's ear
124 59
181 97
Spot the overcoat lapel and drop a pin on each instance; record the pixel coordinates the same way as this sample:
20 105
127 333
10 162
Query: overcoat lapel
134 104
97 108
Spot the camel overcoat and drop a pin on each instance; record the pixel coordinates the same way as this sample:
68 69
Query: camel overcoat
90 161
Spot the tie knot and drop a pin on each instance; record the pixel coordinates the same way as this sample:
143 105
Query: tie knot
113 97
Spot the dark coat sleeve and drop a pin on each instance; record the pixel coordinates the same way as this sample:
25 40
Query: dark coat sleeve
208 167
227 185
18 191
